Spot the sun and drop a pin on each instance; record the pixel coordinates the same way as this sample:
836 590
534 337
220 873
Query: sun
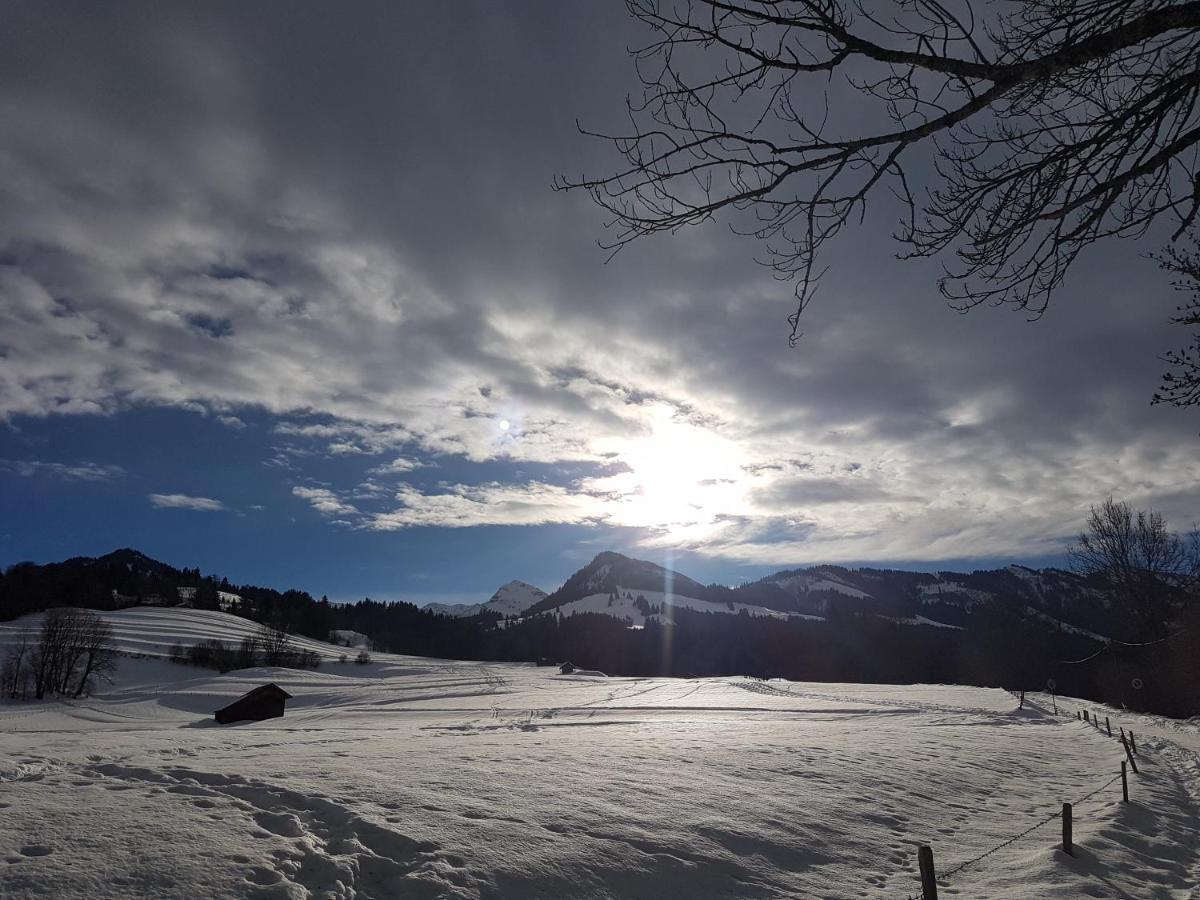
679 476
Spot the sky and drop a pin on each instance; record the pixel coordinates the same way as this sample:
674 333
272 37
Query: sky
289 297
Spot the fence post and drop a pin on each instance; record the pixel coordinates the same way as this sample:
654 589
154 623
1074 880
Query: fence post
1129 755
1124 784
1085 716
1068 847
928 875
1108 725
1132 741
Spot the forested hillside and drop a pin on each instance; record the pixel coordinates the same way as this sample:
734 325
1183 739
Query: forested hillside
1012 627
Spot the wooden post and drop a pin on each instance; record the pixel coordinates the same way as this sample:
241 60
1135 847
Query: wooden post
1068 847
1108 725
1129 755
928 875
1122 732
1022 699
1133 741
1124 784
1085 716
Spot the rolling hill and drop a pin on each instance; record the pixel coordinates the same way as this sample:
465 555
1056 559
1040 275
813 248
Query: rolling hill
433 778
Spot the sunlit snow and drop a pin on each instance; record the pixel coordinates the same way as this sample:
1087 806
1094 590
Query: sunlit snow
427 778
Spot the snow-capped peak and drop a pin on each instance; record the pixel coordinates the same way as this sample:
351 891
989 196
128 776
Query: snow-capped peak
514 598
511 599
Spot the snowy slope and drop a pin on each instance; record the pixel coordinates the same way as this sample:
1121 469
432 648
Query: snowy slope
426 778
511 599
345 638
153 630
810 582
625 606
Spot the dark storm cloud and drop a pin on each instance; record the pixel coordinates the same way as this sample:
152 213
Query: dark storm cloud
348 217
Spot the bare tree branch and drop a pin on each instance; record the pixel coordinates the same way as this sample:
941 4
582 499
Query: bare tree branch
1051 125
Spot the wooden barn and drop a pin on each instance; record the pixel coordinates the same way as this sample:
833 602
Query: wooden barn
264 702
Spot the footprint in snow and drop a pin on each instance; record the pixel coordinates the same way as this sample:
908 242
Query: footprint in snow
36 850
283 824
263 876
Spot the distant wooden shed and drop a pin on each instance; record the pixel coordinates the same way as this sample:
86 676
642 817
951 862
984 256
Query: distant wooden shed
264 702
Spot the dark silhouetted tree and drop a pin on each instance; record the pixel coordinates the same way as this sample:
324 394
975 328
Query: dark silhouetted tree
1181 382
1040 127
275 643
1147 570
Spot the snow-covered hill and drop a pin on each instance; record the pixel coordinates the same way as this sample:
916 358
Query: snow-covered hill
154 630
638 607
413 777
1049 598
512 599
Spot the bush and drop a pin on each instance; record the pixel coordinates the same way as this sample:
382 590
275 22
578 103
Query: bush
363 658
247 653
213 654
308 659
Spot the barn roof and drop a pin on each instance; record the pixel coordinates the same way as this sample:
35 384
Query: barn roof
261 692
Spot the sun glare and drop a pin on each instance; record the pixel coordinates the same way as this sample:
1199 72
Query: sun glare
680 476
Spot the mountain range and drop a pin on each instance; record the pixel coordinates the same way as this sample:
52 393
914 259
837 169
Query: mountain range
636 591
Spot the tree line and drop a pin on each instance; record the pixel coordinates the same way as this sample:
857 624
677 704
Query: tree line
1148 659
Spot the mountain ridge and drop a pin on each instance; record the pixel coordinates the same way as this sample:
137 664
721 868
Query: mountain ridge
634 590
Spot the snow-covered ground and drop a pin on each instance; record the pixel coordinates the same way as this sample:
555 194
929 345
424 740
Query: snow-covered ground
426 778
625 606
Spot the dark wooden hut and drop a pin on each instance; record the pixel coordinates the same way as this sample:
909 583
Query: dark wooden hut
264 702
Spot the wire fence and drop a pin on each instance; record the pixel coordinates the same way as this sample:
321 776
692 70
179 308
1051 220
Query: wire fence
942 878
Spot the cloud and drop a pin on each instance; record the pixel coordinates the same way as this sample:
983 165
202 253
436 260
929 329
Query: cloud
398 466
218 228
81 471
462 506
183 501
324 501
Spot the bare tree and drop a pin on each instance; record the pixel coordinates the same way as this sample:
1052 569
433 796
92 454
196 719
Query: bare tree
74 646
14 675
49 658
1046 125
276 644
1181 383
1144 567
97 652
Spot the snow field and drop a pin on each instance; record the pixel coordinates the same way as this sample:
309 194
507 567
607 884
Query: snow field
428 778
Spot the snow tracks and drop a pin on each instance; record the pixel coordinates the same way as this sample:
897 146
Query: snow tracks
217 835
